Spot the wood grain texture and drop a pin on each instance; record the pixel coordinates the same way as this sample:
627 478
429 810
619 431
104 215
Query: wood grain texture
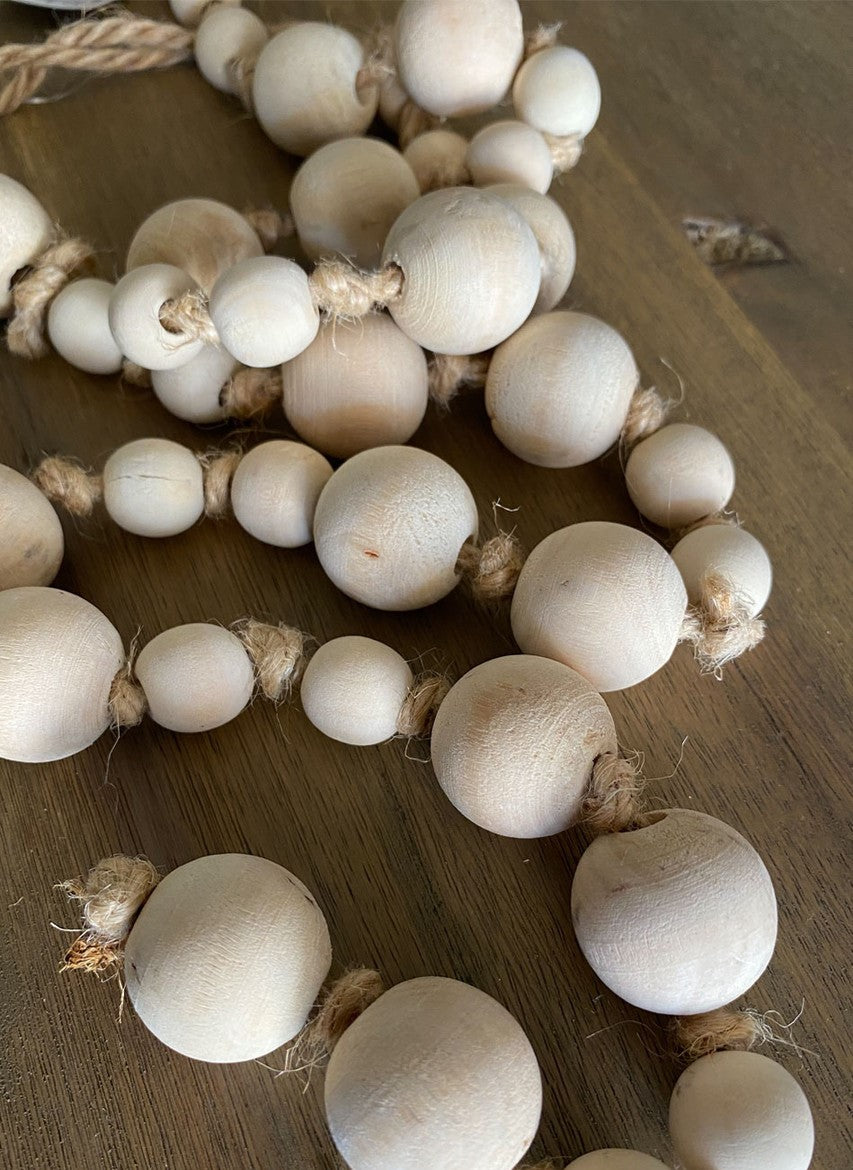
708 108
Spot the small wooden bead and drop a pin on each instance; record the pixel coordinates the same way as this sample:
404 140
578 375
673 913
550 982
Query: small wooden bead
25 231
557 392
224 35
153 487
455 60
557 92
31 541
275 490
514 743
60 656
226 958
190 12
353 689
78 325
616 1160
263 312
605 599
438 158
554 235
193 391
134 310
304 88
390 524
471 270
510 152
346 196
679 475
356 386
731 553
433 1073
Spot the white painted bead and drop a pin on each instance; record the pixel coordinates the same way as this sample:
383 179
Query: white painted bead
557 92
189 12
134 319
358 384
263 312
471 270
153 487
224 35
740 1111
346 196
554 235
732 553
227 957
389 527
275 490
557 392
60 656
31 541
616 1160
603 598
353 689
510 152
304 88
514 743
678 917
25 231
438 158
458 59
195 677
193 391
78 325
435 1073
679 475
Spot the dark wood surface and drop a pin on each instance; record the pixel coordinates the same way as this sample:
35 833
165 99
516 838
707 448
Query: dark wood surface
708 109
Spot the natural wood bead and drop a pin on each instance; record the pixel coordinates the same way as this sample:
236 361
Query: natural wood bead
59 658
357 385
78 326
557 392
190 12
390 524
455 60
438 158
227 957
304 88
678 917
514 743
554 235
195 677
226 34
616 1159
134 310
557 92
263 311
679 475
603 598
510 152
31 540
729 552
346 196
153 487
193 391
353 689
471 270
740 1111
433 1073
25 230
275 490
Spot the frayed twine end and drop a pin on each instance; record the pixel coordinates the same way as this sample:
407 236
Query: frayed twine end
69 483
420 706
278 654
613 802
544 36
450 373
491 570
343 1003
720 626
728 242
112 894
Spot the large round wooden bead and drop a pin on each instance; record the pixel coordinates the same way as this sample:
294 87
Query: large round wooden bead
346 196
729 552
25 231
31 540
357 385
435 1073
226 958
304 88
202 237
263 312
510 152
78 325
680 474
603 598
678 917
458 59
193 392
195 677
389 527
134 316
225 35
616 1160
554 235
153 487
353 689
558 390
190 12
438 159
59 658
471 270
740 1111
514 743
275 490
557 91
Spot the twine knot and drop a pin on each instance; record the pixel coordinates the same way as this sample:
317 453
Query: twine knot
277 653
491 570
612 802
450 373
111 895
421 704
69 483
720 626
342 290
33 292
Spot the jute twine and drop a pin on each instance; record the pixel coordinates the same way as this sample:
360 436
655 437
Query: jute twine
719 625
613 799
647 412
544 36
491 570
342 290
33 292
346 999
187 316
421 704
69 483
696 1036
565 152
270 225
135 375
444 171
249 393
729 242
127 703
111 896
278 654
218 469
450 373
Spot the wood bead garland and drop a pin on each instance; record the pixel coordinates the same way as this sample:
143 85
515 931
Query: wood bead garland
78 327
263 311
554 235
354 688
136 321
510 152
557 91
194 392
679 475
32 543
153 487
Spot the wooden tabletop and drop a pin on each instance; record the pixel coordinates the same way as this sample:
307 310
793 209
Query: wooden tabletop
709 109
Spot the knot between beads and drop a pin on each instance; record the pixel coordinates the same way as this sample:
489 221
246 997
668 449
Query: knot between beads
720 626
111 895
613 798
33 292
491 570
